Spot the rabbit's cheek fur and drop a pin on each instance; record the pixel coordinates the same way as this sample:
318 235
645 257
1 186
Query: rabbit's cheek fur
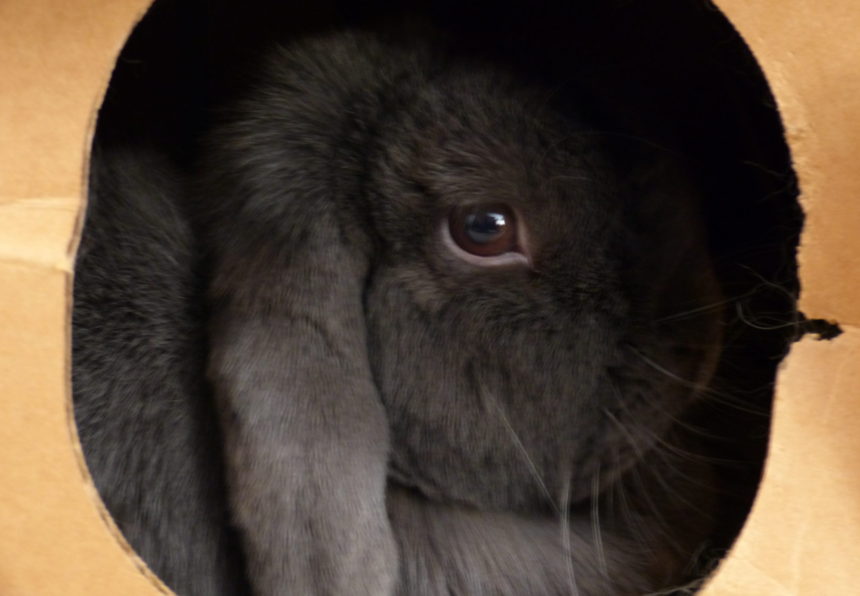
474 403
518 408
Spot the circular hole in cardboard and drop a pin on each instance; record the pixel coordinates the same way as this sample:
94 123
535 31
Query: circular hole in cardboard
676 77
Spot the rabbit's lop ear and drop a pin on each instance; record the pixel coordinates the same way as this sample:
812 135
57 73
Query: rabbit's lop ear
306 438
305 433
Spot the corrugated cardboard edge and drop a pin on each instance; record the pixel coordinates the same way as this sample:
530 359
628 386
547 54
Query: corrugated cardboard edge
55 535
803 535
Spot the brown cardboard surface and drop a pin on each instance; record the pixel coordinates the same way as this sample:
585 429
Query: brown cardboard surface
55 60
803 536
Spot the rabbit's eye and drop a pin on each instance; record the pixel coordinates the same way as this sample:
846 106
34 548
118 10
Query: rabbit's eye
484 230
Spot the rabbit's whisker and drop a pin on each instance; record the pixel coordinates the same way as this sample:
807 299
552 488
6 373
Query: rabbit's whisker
747 320
565 537
669 453
596 532
700 309
726 398
633 523
677 421
521 448
635 474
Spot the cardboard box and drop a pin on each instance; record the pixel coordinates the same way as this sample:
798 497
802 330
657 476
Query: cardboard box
803 536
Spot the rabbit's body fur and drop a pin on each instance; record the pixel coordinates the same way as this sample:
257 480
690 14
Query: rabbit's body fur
392 419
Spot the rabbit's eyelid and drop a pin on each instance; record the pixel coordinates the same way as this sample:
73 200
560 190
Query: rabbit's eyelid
511 258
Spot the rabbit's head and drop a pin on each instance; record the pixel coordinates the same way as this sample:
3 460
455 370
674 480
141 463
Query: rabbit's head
523 304
521 274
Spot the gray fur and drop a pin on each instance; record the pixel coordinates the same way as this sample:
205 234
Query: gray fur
150 438
396 421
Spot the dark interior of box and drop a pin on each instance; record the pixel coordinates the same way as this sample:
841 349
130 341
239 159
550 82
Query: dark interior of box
671 73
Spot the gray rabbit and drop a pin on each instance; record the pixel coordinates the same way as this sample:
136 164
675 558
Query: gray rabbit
405 327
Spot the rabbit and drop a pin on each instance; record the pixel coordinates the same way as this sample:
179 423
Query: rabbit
406 326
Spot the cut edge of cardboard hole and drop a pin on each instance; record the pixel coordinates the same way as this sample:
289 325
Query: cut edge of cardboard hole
155 582
824 329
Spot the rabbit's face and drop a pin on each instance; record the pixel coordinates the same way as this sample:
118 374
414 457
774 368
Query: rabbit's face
521 311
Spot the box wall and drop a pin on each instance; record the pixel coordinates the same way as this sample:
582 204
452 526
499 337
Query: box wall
804 533
55 537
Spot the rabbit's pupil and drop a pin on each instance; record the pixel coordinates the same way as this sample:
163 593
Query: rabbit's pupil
483 228
484 231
